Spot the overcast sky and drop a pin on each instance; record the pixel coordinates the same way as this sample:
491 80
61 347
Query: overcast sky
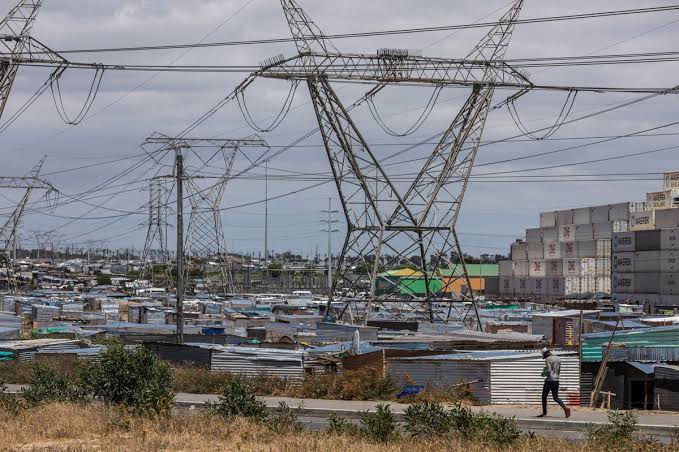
131 106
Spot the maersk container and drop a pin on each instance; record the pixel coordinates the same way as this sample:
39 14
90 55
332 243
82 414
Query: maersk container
647 282
567 233
550 235
534 235
642 221
669 261
666 218
537 286
599 214
521 269
582 216
554 268
536 251
564 217
603 230
671 181
623 242
662 199
584 232
552 250
619 211
506 268
548 219
647 240
537 269
669 239
647 262
519 251
669 284
569 250
623 262
623 283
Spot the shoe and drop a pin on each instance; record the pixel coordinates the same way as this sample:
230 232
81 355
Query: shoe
541 415
568 412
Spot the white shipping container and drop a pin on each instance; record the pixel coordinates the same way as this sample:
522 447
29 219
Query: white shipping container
671 180
647 262
603 230
519 251
588 266
554 268
603 284
642 221
564 217
662 199
572 267
567 233
623 262
603 266
536 251
537 269
669 261
537 286
506 286
620 226
666 218
669 239
647 282
669 284
521 269
594 248
552 250
534 235
599 214
550 235
506 268
588 284
548 220
619 212
584 232
623 242
563 287
521 286
623 283
582 216
569 250
639 206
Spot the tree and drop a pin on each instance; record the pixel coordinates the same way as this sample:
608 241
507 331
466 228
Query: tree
104 280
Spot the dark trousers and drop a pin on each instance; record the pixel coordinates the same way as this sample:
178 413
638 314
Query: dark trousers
553 387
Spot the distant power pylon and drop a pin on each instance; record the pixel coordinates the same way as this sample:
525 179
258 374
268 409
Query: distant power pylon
390 223
9 230
155 247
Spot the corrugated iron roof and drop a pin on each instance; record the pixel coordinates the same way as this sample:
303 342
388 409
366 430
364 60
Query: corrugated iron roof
490 355
648 369
662 336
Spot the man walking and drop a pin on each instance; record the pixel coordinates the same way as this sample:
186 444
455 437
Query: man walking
551 373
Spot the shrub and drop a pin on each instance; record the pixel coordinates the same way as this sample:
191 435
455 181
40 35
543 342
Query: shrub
484 427
379 425
133 378
48 385
237 398
285 420
21 372
618 432
8 402
362 384
338 425
427 419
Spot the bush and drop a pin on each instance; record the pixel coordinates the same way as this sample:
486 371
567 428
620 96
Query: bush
133 378
338 425
8 402
362 384
285 420
237 398
484 427
427 419
379 425
616 434
21 372
48 385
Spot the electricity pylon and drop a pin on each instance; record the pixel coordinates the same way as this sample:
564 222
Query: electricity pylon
391 225
9 230
155 246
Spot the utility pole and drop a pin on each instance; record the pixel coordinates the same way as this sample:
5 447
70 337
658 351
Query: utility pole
266 220
330 222
179 160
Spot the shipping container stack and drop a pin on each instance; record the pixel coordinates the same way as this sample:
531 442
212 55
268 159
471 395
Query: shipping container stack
568 256
646 259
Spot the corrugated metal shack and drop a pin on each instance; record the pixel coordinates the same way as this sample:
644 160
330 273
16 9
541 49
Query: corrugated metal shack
667 387
662 336
497 377
26 350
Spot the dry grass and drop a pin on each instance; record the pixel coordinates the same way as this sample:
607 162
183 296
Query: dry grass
73 427
20 372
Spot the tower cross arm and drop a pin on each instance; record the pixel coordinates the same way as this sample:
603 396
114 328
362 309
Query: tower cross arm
25 183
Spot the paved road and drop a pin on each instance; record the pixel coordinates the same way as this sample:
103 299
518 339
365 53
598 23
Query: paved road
314 413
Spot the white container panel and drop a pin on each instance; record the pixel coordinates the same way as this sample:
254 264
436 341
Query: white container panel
647 262
639 206
521 286
620 226
662 199
666 218
552 250
521 269
623 262
603 266
537 269
584 232
619 211
569 250
537 286
642 221
506 286
603 230
671 181
554 268
556 286
534 235
572 267
588 267
582 216
647 282
536 251
567 233
603 284
623 283
548 219
603 248
564 217
550 235
669 284
506 268
519 251
599 214
669 261
623 242
669 239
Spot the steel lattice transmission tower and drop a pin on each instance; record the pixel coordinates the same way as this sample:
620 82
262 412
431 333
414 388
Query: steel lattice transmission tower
155 246
391 223
10 229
